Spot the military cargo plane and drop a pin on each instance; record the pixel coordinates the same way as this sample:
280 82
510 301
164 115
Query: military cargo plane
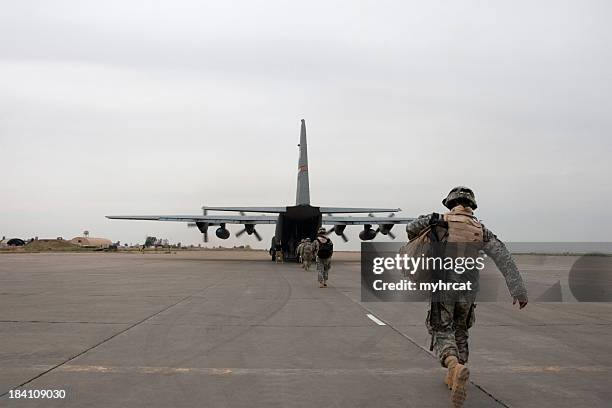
293 223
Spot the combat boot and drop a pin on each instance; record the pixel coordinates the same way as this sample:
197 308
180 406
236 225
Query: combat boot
321 284
460 376
450 362
325 283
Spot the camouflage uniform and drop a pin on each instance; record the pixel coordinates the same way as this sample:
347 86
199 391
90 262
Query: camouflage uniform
323 264
300 251
449 320
307 254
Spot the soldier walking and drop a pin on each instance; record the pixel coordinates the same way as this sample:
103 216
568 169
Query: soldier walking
307 254
449 320
300 251
323 250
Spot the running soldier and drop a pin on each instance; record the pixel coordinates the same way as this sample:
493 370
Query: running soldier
323 250
307 254
449 320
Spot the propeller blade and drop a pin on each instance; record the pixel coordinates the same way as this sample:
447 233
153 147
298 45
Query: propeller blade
344 237
205 236
257 235
242 231
191 225
391 235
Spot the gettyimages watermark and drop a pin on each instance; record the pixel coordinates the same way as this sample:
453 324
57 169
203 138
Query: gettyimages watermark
552 272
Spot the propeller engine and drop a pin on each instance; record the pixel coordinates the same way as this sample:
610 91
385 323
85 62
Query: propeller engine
385 229
368 233
339 230
250 230
222 232
202 226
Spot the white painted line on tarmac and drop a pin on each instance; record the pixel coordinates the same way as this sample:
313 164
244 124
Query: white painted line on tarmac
376 320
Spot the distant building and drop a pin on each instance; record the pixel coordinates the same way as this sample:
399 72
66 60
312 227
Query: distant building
91 242
15 242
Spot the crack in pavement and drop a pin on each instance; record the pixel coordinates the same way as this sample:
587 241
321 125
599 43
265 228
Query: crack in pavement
69 368
110 338
61 322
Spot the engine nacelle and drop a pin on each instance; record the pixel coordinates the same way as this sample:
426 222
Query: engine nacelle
339 229
222 233
249 228
367 234
385 228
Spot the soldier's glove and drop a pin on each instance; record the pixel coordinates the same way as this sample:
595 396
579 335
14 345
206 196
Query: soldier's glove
521 299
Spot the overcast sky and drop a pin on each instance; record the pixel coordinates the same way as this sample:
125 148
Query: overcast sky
126 107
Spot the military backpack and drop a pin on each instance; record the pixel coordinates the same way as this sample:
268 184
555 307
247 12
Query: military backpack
326 248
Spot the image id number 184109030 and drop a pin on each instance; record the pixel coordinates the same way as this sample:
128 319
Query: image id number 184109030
37 394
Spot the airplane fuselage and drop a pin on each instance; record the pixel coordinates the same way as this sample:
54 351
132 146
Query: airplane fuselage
293 225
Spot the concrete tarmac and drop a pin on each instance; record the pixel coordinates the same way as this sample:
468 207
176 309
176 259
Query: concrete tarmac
200 329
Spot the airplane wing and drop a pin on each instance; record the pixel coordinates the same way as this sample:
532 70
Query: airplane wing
324 210
333 220
202 222
385 225
248 209
208 219
338 210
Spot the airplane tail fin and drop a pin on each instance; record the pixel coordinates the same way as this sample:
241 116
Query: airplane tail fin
302 196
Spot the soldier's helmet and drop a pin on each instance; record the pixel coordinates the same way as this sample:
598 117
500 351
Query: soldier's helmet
322 231
460 195
307 239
